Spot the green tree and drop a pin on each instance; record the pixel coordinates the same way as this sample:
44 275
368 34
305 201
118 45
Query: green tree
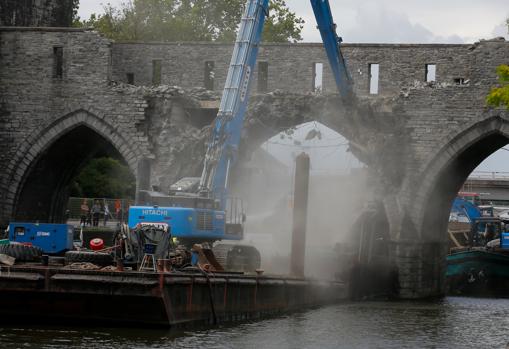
282 24
104 178
499 96
190 20
75 17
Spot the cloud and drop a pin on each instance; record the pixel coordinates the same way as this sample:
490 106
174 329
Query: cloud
376 23
87 7
432 21
501 30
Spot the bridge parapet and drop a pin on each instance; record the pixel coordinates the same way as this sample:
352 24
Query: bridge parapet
293 67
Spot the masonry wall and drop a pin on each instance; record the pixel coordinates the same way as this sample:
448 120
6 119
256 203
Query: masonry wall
435 115
36 13
36 103
446 132
290 66
400 138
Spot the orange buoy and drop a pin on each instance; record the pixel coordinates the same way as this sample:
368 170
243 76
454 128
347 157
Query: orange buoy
96 244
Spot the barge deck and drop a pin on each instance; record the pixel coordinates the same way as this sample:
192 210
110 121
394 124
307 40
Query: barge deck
167 299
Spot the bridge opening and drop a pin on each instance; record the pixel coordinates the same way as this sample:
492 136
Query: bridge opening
452 236
430 72
209 75
452 178
374 70
130 78
317 77
58 62
263 76
47 184
336 194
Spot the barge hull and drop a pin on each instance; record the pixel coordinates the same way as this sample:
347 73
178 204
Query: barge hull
478 273
39 294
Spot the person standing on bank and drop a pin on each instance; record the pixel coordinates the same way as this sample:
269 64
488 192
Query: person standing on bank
106 212
118 207
84 212
96 212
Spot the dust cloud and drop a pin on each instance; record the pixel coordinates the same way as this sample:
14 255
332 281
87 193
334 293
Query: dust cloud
335 201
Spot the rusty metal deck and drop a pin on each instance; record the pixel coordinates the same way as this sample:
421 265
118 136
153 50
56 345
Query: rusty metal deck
167 299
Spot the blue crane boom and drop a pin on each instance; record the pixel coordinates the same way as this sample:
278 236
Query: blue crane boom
225 138
332 45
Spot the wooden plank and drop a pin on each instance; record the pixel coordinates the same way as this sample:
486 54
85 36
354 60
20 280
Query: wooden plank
7 260
453 238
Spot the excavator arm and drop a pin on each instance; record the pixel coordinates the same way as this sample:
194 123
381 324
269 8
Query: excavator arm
332 45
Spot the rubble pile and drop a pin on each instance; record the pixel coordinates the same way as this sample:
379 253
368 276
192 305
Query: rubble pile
178 145
421 85
154 91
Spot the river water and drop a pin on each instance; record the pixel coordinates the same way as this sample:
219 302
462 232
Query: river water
448 323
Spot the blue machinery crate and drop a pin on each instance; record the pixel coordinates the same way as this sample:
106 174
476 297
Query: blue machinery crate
504 241
51 238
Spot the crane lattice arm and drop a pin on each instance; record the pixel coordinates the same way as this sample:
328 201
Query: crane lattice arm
225 138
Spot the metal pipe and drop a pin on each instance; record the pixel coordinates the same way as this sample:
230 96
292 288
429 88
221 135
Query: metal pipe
143 180
300 209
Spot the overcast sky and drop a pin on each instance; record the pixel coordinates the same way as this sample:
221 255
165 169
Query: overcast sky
451 21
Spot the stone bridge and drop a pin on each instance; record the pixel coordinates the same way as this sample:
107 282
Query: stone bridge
420 122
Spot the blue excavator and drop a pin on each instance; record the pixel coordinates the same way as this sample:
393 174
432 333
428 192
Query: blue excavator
199 209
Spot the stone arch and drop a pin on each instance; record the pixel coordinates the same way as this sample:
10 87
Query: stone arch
30 151
270 114
449 168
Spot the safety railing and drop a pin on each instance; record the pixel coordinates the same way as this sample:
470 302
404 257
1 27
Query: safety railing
489 175
114 209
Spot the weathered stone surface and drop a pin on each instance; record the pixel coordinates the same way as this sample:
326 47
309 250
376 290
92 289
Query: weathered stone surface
290 66
419 140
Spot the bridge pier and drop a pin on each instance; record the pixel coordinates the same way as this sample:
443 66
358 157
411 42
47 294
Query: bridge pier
421 268
388 259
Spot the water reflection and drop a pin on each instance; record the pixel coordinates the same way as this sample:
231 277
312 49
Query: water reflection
449 323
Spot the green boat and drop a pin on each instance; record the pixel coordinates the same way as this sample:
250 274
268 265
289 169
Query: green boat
478 272
478 260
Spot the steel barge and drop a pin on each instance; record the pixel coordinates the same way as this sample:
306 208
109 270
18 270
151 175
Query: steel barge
40 294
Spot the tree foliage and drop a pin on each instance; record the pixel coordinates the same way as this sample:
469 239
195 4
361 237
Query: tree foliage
190 20
104 178
75 17
499 96
282 25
